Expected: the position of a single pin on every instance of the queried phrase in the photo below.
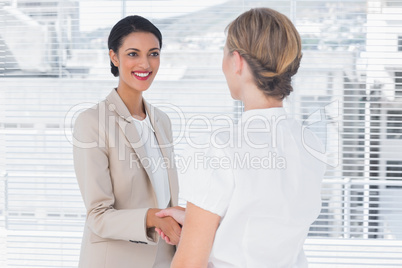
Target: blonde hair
(271, 45)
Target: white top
(265, 185)
(159, 178)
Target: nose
(144, 62)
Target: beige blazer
(116, 187)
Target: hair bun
(279, 85)
(271, 46)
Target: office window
(398, 84)
(394, 125)
(399, 43)
(393, 3)
(394, 169)
(54, 63)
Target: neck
(133, 101)
(254, 98)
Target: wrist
(151, 217)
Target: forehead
(140, 40)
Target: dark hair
(271, 45)
(126, 26)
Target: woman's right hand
(176, 213)
(168, 225)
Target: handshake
(168, 223)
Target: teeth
(142, 74)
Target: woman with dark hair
(119, 147)
(258, 191)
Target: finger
(177, 230)
(164, 213)
(179, 208)
(158, 231)
(168, 241)
(174, 240)
(160, 214)
(170, 229)
(178, 215)
(164, 235)
(174, 237)
(161, 233)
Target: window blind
(54, 63)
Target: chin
(235, 97)
(233, 93)
(142, 88)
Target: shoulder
(89, 113)
(307, 135)
(89, 116)
(93, 118)
(312, 143)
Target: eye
(154, 54)
(132, 54)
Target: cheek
(224, 63)
(128, 62)
(227, 70)
(155, 62)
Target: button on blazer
(115, 185)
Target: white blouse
(265, 185)
(160, 178)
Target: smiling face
(138, 61)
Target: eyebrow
(136, 49)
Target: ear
(114, 58)
(238, 62)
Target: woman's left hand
(176, 213)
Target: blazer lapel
(124, 120)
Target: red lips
(141, 75)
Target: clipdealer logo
(322, 121)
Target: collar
(115, 103)
(145, 122)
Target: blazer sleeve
(91, 165)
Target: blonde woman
(255, 211)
